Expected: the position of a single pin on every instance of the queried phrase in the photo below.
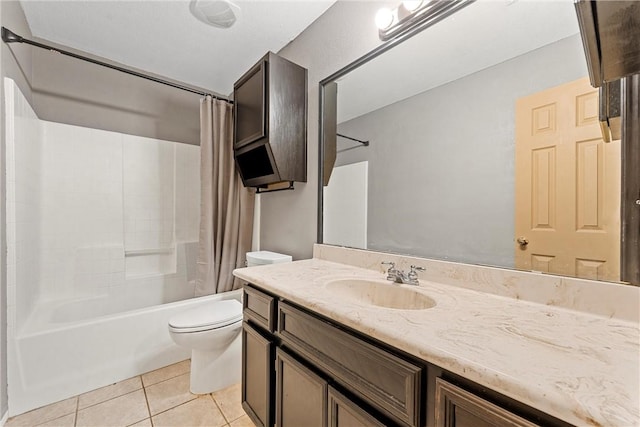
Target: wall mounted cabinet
(270, 126)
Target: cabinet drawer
(456, 407)
(388, 383)
(259, 308)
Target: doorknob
(522, 241)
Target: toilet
(212, 332)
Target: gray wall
(101, 98)
(441, 163)
(341, 35)
(16, 64)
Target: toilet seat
(213, 316)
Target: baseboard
(4, 419)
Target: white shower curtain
(226, 207)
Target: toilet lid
(213, 315)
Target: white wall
(345, 215)
(82, 211)
(80, 199)
(24, 205)
(11, 16)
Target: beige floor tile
(229, 401)
(66, 421)
(166, 373)
(169, 393)
(143, 423)
(121, 411)
(243, 421)
(200, 412)
(109, 392)
(44, 414)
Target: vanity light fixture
(412, 16)
(385, 18)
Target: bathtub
(73, 347)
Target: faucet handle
(392, 265)
(391, 272)
(413, 274)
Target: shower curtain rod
(9, 36)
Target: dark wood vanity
(302, 369)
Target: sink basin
(381, 294)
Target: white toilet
(213, 335)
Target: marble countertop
(580, 368)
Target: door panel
(301, 395)
(567, 185)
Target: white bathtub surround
(68, 358)
(577, 366)
(611, 300)
(80, 204)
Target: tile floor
(156, 399)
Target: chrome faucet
(398, 276)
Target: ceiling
(479, 36)
(164, 38)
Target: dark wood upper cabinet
(270, 126)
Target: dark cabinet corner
(270, 126)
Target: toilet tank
(266, 257)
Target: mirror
(483, 147)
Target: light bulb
(411, 6)
(384, 18)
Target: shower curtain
(226, 207)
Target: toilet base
(212, 371)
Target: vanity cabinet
(302, 369)
(270, 126)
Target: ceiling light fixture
(217, 13)
(414, 16)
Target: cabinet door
(456, 407)
(250, 106)
(257, 376)
(301, 395)
(342, 412)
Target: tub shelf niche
(151, 251)
(150, 262)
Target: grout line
(111, 398)
(75, 420)
(146, 399)
(219, 408)
(173, 407)
(166, 379)
(106, 400)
